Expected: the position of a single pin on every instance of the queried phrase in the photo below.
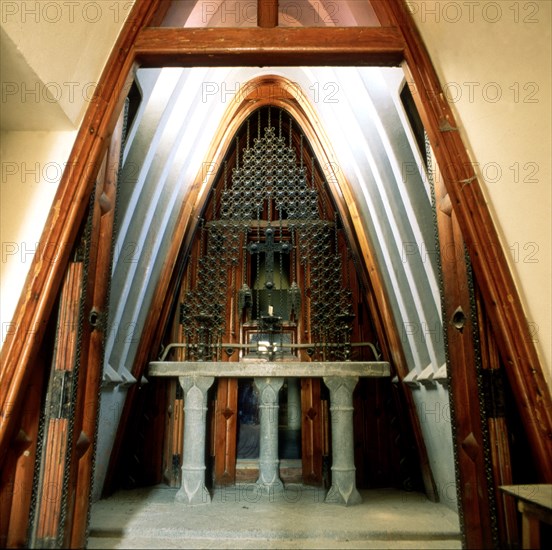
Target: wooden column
(16, 478)
(312, 431)
(493, 386)
(226, 422)
(98, 284)
(474, 493)
(267, 13)
(65, 440)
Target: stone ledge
(270, 368)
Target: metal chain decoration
(269, 189)
(203, 312)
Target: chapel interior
(270, 265)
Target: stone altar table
(341, 379)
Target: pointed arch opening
(273, 170)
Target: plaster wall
(31, 167)
(493, 60)
(66, 44)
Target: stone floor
(240, 517)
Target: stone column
(343, 489)
(269, 475)
(294, 404)
(193, 490)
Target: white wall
(66, 44)
(31, 166)
(51, 58)
(493, 60)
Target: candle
(270, 310)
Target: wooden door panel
(311, 431)
(226, 414)
(52, 494)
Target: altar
(196, 377)
(270, 294)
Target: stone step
(237, 543)
(297, 517)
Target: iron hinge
(60, 394)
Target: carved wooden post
(267, 13)
(48, 530)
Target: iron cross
(269, 247)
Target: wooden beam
(339, 46)
(98, 282)
(467, 416)
(267, 13)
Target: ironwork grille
(269, 207)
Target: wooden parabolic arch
(280, 92)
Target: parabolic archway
(378, 202)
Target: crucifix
(269, 247)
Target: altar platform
(341, 377)
(242, 517)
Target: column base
(343, 489)
(270, 489)
(193, 496)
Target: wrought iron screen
(270, 250)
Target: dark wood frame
(400, 43)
